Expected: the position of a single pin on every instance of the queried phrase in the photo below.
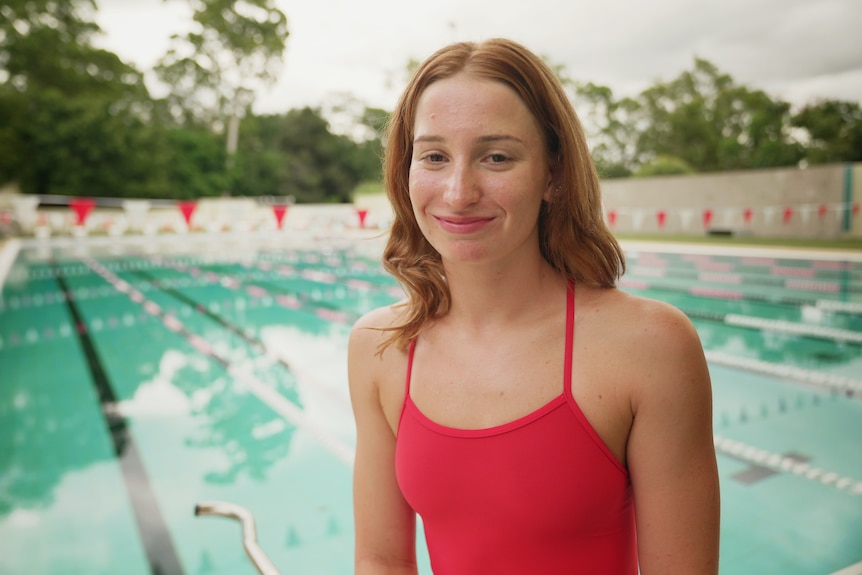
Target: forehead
(464, 101)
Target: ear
(551, 186)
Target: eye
(498, 158)
(432, 157)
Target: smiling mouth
(463, 225)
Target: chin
(465, 254)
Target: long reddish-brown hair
(573, 236)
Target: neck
(485, 298)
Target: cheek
(417, 192)
(421, 186)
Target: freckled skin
(478, 153)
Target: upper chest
(478, 383)
(473, 382)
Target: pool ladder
(249, 534)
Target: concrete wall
(816, 202)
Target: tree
(193, 162)
(72, 116)
(45, 44)
(664, 166)
(609, 127)
(833, 129)
(215, 69)
(679, 117)
(704, 118)
(78, 146)
(363, 125)
(296, 154)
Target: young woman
(537, 418)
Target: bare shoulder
(647, 324)
(381, 317)
(372, 328)
(376, 374)
(655, 343)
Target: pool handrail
(249, 534)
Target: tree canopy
(75, 119)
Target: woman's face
(478, 172)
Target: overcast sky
(795, 50)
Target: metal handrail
(249, 534)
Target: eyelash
(496, 158)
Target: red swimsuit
(541, 494)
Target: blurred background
(192, 216)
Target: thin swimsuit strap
(570, 339)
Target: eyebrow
(482, 139)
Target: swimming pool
(139, 380)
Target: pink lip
(462, 225)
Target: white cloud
(159, 396)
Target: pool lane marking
(154, 533)
(258, 344)
(328, 277)
(37, 299)
(258, 288)
(292, 413)
(267, 395)
(719, 272)
(782, 326)
(738, 294)
(763, 324)
(833, 382)
(781, 463)
(831, 260)
(855, 569)
(852, 307)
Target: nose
(462, 187)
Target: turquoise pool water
(137, 382)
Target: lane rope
(277, 402)
(782, 464)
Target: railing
(249, 534)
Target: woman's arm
(670, 452)
(385, 525)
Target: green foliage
(72, 116)
(46, 44)
(76, 146)
(704, 118)
(834, 130)
(611, 171)
(701, 117)
(371, 188)
(664, 166)
(233, 49)
(609, 127)
(296, 154)
(194, 163)
(77, 120)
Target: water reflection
(815, 354)
(51, 426)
